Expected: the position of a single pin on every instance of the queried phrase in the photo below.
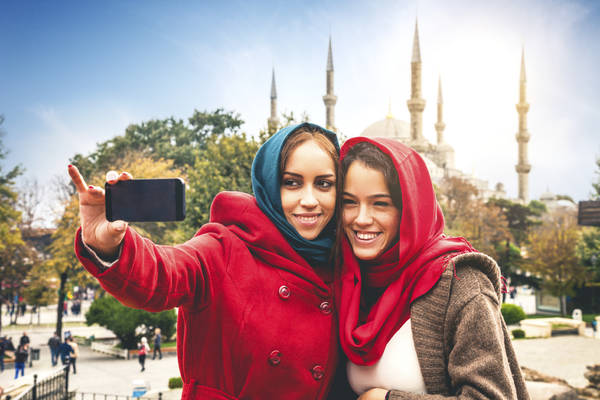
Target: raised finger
(77, 179)
(125, 176)
(96, 191)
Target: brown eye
(325, 184)
(382, 203)
(291, 183)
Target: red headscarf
(408, 270)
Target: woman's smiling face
(308, 190)
(370, 219)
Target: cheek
(286, 200)
(392, 225)
(347, 218)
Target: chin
(309, 236)
(366, 255)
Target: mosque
(438, 156)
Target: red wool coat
(255, 320)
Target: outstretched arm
(145, 275)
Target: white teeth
(307, 219)
(366, 236)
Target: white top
(398, 368)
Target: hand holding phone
(97, 232)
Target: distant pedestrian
(157, 343)
(2, 349)
(24, 339)
(21, 358)
(74, 353)
(142, 352)
(65, 351)
(54, 344)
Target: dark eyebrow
(300, 176)
(291, 173)
(376, 196)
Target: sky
(73, 74)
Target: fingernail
(119, 225)
(91, 187)
(112, 176)
(69, 166)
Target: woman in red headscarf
(419, 311)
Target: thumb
(118, 226)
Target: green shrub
(175, 383)
(512, 313)
(122, 321)
(518, 333)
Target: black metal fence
(105, 396)
(56, 387)
(53, 387)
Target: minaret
(440, 125)
(416, 104)
(523, 167)
(330, 99)
(273, 121)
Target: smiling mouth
(366, 237)
(307, 219)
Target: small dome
(547, 196)
(388, 128)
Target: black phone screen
(145, 200)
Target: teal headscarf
(266, 182)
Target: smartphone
(145, 200)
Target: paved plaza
(96, 372)
(564, 357)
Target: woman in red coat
(253, 286)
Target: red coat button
(325, 307)
(275, 357)
(318, 372)
(284, 292)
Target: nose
(364, 216)
(308, 198)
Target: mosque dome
(388, 127)
(547, 196)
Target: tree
(596, 185)
(588, 251)
(486, 228)
(552, 255)
(13, 252)
(168, 139)
(520, 218)
(129, 324)
(225, 165)
(457, 198)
